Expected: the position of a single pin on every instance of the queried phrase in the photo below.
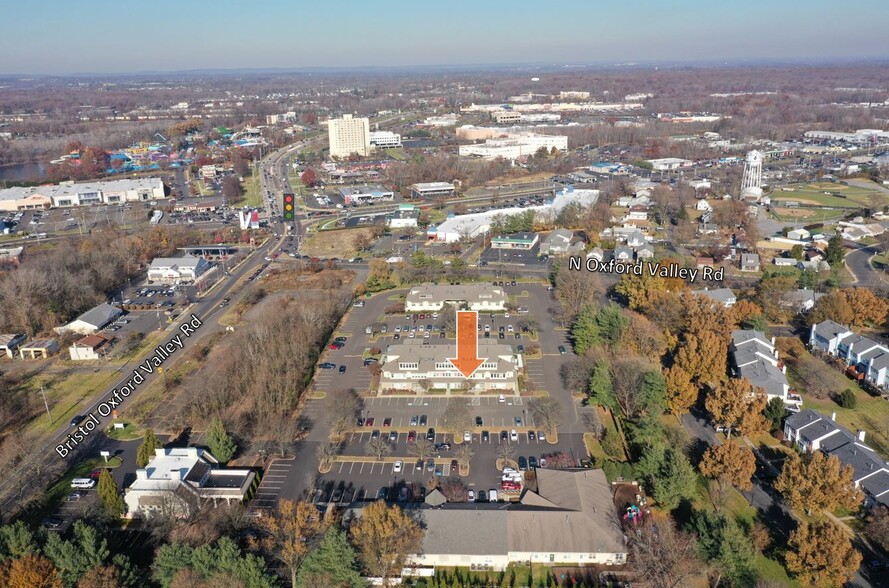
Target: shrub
(847, 399)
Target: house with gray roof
(801, 300)
(570, 520)
(809, 430)
(92, 320)
(645, 252)
(754, 357)
(826, 336)
(867, 356)
(722, 296)
(623, 254)
(561, 242)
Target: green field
(830, 194)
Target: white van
(83, 483)
(492, 495)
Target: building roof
(829, 329)
(7, 339)
(186, 461)
(426, 356)
(94, 341)
(420, 186)
(559, 235)
(40, 344)
(464, 292)
(720, 295)
(186, 260)
(100, 316)
(516, 238)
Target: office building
(421, 368)
(349, 135)
(428, 297)
(385, 139)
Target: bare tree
(343, 407)
(378, 447)
(326, 453)
(506, 451)
(547, 414)
(464, 453)
(422, 448)
(456, 416)
(665, 556)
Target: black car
(443, 446)
(342, 369)
(486, 436)
(504, 435)
(482, 496)
(76, 420)
(532, 462)
(327, 365)
(430, 434)
(360, 421)
(532, 436)
(422, 420)
(51, 523)
(523, 463)
(478, 421)
(381, 495)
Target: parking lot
(524, 257)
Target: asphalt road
(858, 263)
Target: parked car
(393, 436)
(486, 436)
(430, 465)
(504, 435)
(430, 434)
(397, 467)
(523, 463)
(411, 436)
(470, 496)
(532, 462)
(369, 422)
(467, 437)
(422, 420)
(342, 369)
(414, 420)
(478, 421)
(513, 435)
(387, 422)
(532, 436)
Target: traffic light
(288, 207)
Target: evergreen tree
(17, 540)
(145, 453)
(109, 496)
(611, 322)
(220, 443)
(585, 331)
(835, 252)
(774, 413)
(601, 389)
(722, 541)
(77, 556)
(333, 562)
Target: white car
(513, 436)
(467, 436)
(501, 398)
(470, 496)
(399, 465)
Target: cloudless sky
(61, 36)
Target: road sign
(288, 207)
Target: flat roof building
(515, 145)
(406, 216)
(39, 349)
(515, 241)
(366, 194)
(349, 135)
(432, 190)
(472, 296)
(385, 139)
(174, 270)
(10, 342)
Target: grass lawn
(397, 154)
(64, 394)
(252, 197)
(130, 432)
(837, 194)
(332, 243)
(769, 570)
(870, 414)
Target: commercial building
(349, 135)
(385, 139)
(432, 190)
(429, 297)
(573, 95)
(523, 241)
(506, 116)
(421, 368)
(406, 216)
(175, 270)
(812, 431)
(445, 120)
(570, 520)
(94, 346)
(514, 146)
(92, 320)
(669, 163)
(859, 137)
(366, 194)
(83, 193)
(181, 480)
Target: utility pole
(45, 403)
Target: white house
(559, 242)
(92, 320)
(799, 234)
(754, 358)
(429, 297)
(864, 355)
(95, 346)
(405, 217)
(722, 296)
(178, 481)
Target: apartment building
(419, 368)
(349, 135)
(866, 358)
(429, 297)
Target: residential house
(645, 252)
(722, 296)
(868, 358)
(95, 346)
(754, 358)
(181, 480)
(10, 342)
(472, 296)
(637, 213)
(623, 254)
(809, 430)
(596, 253)
(749, 262)
(708, 229)
(92, 320)
(559, 242)
(39, 349)
(801, 300)
(636, 239)
(701, 262)
(420, 368)
(703, 205)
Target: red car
(336, 346)
(387, 422)
(454, 465)
(95, 473)
(412, 436)
(369, 422)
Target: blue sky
(58, 37)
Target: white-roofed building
(432, 190)
(173, 270)
(92, 320)
(420, 368)
(181, 480)
(429, 297)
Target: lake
(19, 172)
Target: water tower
(751, 182)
